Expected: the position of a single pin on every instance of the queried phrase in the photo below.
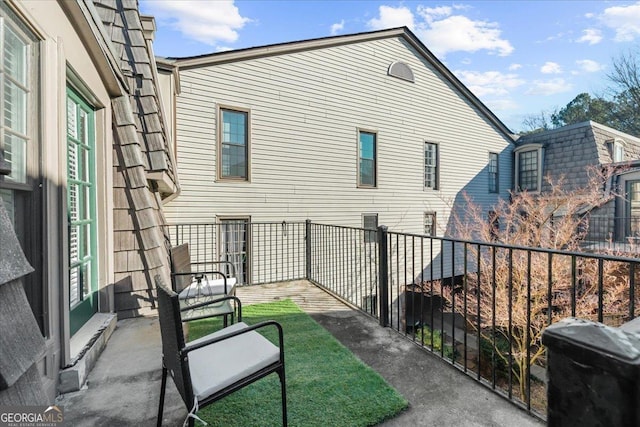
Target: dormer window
(528, 161)
(618, 151)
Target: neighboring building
(87, 167)
(357, 130)
(570, 152)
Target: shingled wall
(21, 343)
(140, 147)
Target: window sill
(233, 180)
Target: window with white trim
(430, 223)
(493, 172)
(618, 151)
(529, 169)
(20, 150)
(431, 166)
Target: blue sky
(519, 57)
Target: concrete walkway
(123, 389)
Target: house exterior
(357, 130)
(570, 152)
(86, 166)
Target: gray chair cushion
(215, 309)
(207, 287)
(219, 365)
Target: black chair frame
(175, 355)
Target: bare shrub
(518, 292)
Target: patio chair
(216, 365)
(194, 287)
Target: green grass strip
(326, 384)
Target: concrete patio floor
(123, 388)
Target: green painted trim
(82, 311)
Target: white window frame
(21, 193)
(618, 151)
(539, 150)
(431, 177)
(494, 172)
(433, 223)
(20, 177)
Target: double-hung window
(17, 98)
(431, 166)
(493, 172)
(370, 224)
(528, 169)
(233, 147)
(618, 151)
(430, 223)
(19, 148)
(367, 153)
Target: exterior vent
(401, 70)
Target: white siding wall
(306, 108)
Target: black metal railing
(262, 252)
(619, 235)
(344, 260)
(482, 307)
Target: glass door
(81, 214)
(234, 246)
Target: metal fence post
(307, 241)
(383, 275)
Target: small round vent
(401, 70)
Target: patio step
(86, 346)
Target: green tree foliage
(619, 109)
(626, 113)
(583, 108)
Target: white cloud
(514, 67)
(459, 33)
(443, 31)
(489, 82)
(391, 17)
(337, 27)
(551, 68)
(430, 14)
(589, 65)
(557, 36)
(549, 87)
(591, 36)
(208, 21)
(625, 20)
